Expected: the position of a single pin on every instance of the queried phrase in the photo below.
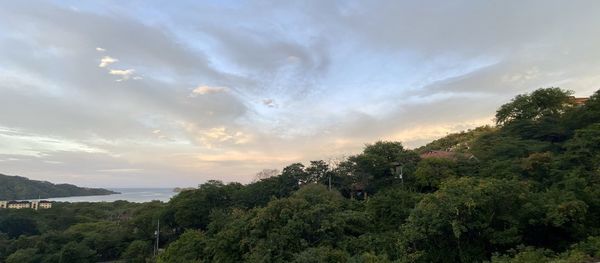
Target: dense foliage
(79, 232)
(17, 188)
(527, 190)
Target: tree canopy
(542, 103)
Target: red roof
(580, 101)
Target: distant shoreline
(134, 195)
(70, 196)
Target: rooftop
(580, 101)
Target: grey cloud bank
(234, 87)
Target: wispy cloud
(106, 60)
(269, 103)
(216, 136)
(204, 90)
(15, 141)
(121, 170)
(124, 74)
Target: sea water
(136, 195)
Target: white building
(19, 204)
(25, 204)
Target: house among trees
(25, 204)
(579, 101)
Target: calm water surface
(137, 195)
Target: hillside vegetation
(530, 194)
(16, 188)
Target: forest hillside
(17, 188)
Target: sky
(175, 93)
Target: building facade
(45, 204)
(25, 204)
(19, 204)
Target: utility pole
(329, 181)
(398, 170)
(402, 176)
(157, 234)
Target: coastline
(135, 195)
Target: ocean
(136, 195)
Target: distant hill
(17, 187)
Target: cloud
(269, 103)
(159, 134)
(106, 60)
(340, 74)
(216, 136)
(22, 143)
(121, 170)
(124, 74)
(204, 90)
(252, 156)
(94, 170)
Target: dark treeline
(525, 190)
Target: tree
(15, 225)
(295, 172)
(500, 154)
(525, 255)
(264, 174)
(318, 171)
(191, 209)
(321, 255)
(311, 217)
(585, 251)
(391, 207)
(287, 226)
(456, 142)
(74, 252)
(137, 252)
(549, 102)
(188, 248)
(27, 255)
(539, 167)
(584, 148)
(467, 218)
(374, 166)
(432, 171)
(584, 115)
(107, 239)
